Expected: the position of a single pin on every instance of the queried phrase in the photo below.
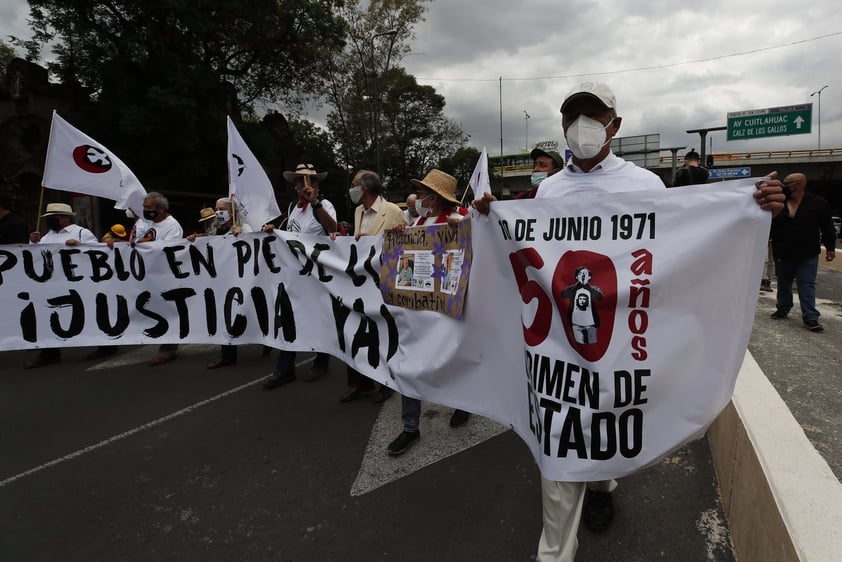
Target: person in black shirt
(691, 172)
(796, 244)
(12, 228)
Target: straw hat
(206, 214)
(439, 182)
(58, 209)
(304, 170)
(119, 230)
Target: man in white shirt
(160, 225)
(310, 214)
(60, 230)
(590, 121)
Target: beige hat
(441, 183)
(206, 214)
(596, 90)
(304, 170)
(58, 209)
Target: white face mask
(223, 216)
(538, 177)
(421, 209)
(586, 137)
(355, 193)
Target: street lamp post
(526, 121)
(392, 33)
(819, 92)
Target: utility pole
(391, 33)
(526, 121)
(703, 133)
(819, 92)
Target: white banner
(248, 183)
(671, 277)
(78, 163)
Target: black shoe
(278, 378)
(403, 442)
(778, 315)
(221, 363)
(316, 372)
(102, 353)
(382, 394)
(814, 326)
(353, 393)
(598, 510)
(459, 417)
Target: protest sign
(605, 331)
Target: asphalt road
(120, 461)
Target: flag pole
(40, 207)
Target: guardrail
(767, 155)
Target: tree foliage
(7, 53)
(166, 72)
(381, 118)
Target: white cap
(596, 90)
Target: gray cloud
(461, 43)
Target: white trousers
(562, 511)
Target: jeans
(804, 274)
(410, 414)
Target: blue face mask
(538, 177)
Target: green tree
(7, 53)
(461, 166)
(378, 35)
(419, 134)
(165, 73)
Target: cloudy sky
(644, 49)
(673, 65)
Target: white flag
(248, 183)
(479, 179)
(78, 163)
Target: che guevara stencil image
(585, 292)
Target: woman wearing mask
(436, 203)
(226, 222)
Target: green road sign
(770, 122)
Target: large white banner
(604, 332)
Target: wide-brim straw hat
(304, 170)
(206, 214)
(440, 183)
(58, 209)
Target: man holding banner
(309, 215)
(372, 216)
(590, 121)
(61, 230)
(161, 226)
